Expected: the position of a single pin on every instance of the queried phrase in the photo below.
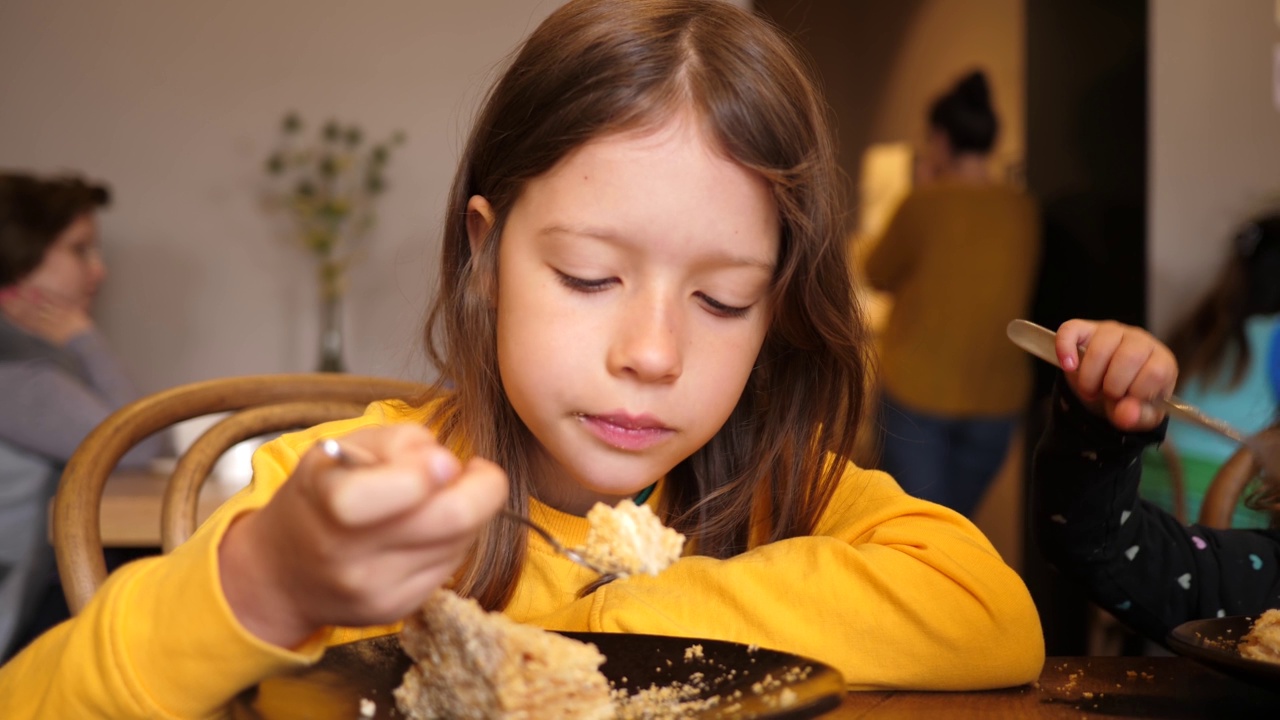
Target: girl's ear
(480, 220)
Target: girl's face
(72, 268)
(631, 306)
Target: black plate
(1213, 643)
(371, 669)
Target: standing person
(959, 259)
(644, 293)
(57, 375)
(1137, 561)
(1229, 349)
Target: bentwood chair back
(1228, 486)
(259, 404)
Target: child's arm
(894, 592)
(1136, 560)
(161, 638)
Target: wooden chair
(260, 404)
(1228, 486)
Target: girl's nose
(647, 344)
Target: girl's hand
(44, 314)
(1117, 371)
(357, 546)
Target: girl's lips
(627, 432)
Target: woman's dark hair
(1249, 285)
(964, 113)
(34, 212)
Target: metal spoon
(348, 457)
(1041, 342)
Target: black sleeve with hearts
(1137, 561)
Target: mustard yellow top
(960, 261)
(893, 591)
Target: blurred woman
(958, 257)
(57, 376)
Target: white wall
(1215, 140)
(176, 104)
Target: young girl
(644, 295)
(1229, 350)
(1138, 561)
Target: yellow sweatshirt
(960, 262)
(893, 591)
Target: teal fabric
(1250, 406)
(1157, 489)
(644, 494)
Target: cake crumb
(368, 708)
(787, 697)
(472, 663)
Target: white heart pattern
(1132, 552)
(1185, 581)
(1124, 517)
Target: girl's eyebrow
(719, 259)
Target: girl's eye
(583, 284)
(719, 308)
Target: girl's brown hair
(596, 67)
(1214, 332)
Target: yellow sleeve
(894, 254)
(894, 592)
(158, 639)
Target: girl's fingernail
(1068, 362)
(444, 466)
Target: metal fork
(1040, 341)
(346, 457)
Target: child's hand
(1117, 371)
(307, 561)
(44, 314)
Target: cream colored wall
(1215, 139)
(944, 39)
(175, 104)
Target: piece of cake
(629, 539)
(472, 664)
(1263, 641)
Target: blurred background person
(57, 376)
(1228, 349)
(958, 258)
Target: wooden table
(1095, 687)
(131, 503)
(1076, 687)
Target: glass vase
(331, 335)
